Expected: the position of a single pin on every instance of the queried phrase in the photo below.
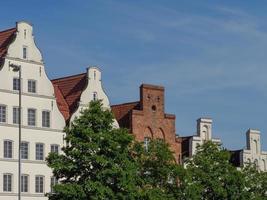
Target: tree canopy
(96, 162)
(100, 162)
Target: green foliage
(256, 182)
(100, 162)
(158, 171)
(97, 162)
(210, 175)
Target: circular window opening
(154, 108)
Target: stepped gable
(68, 92)
(146, 119)
(6, 37)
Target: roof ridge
(123, 104)
(67, 77)
(10, 29)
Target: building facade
(204, 133)
(146, 119)
(47, 107)
(252, 153)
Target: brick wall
(149, 118)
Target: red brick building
(146, 119)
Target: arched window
(255, 146)
(159, 134)
(256, 162)
(264, 165)
(205, 132)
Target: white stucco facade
(204, 133)
(43, 99)
(23, 51)
(253, 152)
(94, 90)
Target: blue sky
(211, 56)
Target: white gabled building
(252, 153)
(204, 133)
(47, 106)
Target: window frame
(95, 96)
(1, 115)
(43, 188)
(146, 143)
(49, 112)
(28, 150)
(25, 52)
(14, 85)
(28, 183)
(35, 120)
(32, 90)
(11, 184)
(13, 116)
(55, 145)
(53, 182)
(43, 157)
(12, 149)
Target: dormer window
(25, 53)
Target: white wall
(32, 68)
(204, 133)
(253, 152)
(94, 86)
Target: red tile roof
(68, 92)
(121, 112)
(6, 38)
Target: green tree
(256, 182)
(96, 162)
(158, 171)
(210, 175)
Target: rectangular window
(32, 86)
(39, 184)
(8, 148)
(54, 148)
(24, 150)
(31, 117)
(2, 114)
(54, 181)
(24, 183)
(146, 143)
(16, 84)
(24, 52)
(7, 182)
(46, 119)
(39, 154)
(15, 115)
(95, 96)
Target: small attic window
(94, 75)
(25, 33)
(95, 96)
(24, 52)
